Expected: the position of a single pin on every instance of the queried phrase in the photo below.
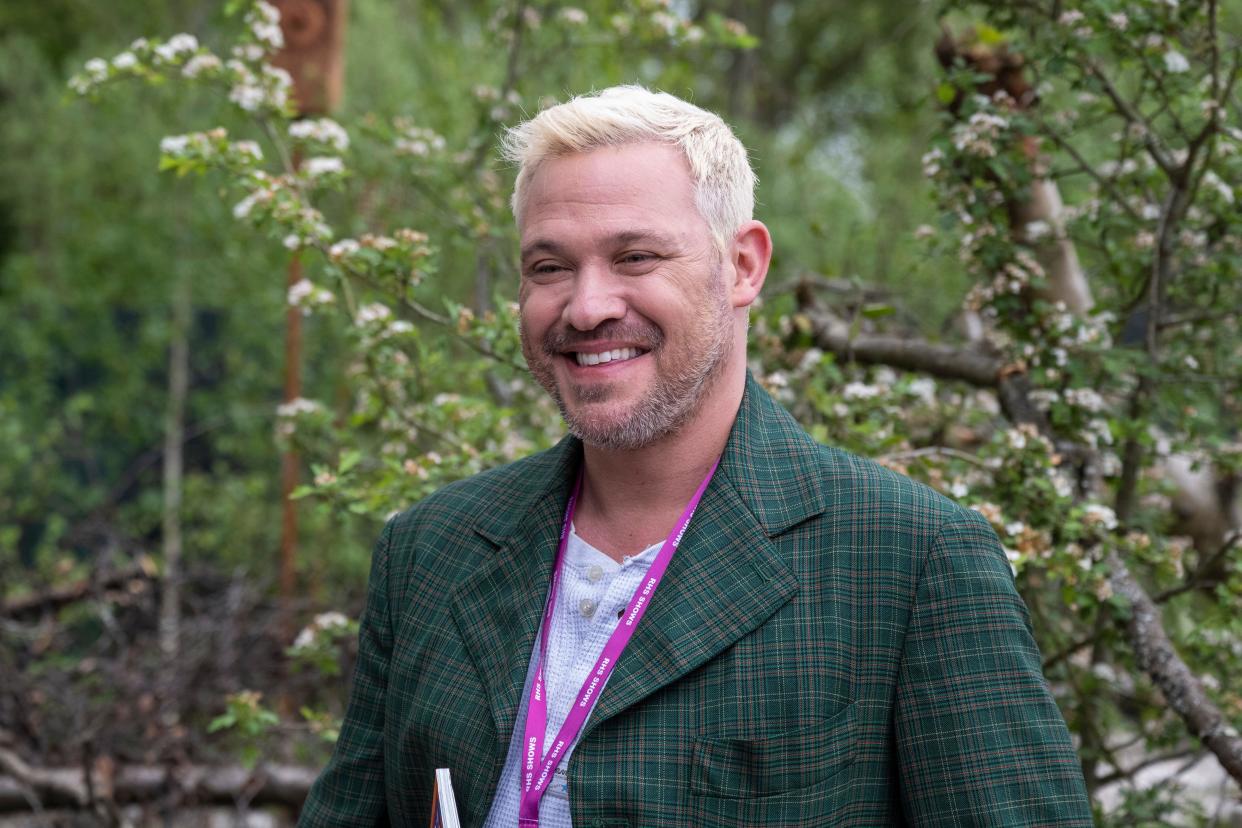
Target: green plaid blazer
(833, 644)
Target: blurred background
(235, 337)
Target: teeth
(614, 355)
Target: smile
(615, 355)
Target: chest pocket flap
(800, 758)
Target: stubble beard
(673, 399)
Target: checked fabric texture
(833, 644)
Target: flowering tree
(1082, 174)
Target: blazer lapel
(725, 580)
(498, 608)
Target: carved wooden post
(314, 32)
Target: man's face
(626, 320)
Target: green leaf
(946, 92)
(222, 723)
(878, 310)
(349, 459)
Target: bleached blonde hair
(724, 183)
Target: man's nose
(596, 299)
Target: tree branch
(69, 787)
(1181, 688)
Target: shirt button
(587, 607)
(594, 573)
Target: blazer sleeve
(980, 740)
(350, 791)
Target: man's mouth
(601, 357)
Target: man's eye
(545, 268)
(635, 258)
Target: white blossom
(176, 46)
(1176, 62)
(324, 130)
(198, 64)
(343, 248)
(292, 241)
(1214, 181)
(250, 148)
(1096, 513)
(1036, 230)
(174, 144)
(125, 60)
(573, 16)
(1087, 398)
(250, 52)
(860, 391)
(97, 68)
(374, 312)
(924, 388)
(318, 166)
(297, 407)
(299, 291)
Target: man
(830, 644)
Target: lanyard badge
(537, 766)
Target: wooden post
(314, 32)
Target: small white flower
(299, 291)
(1070, 18)
(572, 16)
(250, 148)
(1016, 527)
(250, 52)
(959, 489)
(198, 64)
(242, 208)
(323, 130)
(1086, 398)
(374, 312)
(859, 391)
(1119, 21)
(1176, 62)
(1036, 230)
(318, 166)
(174, 144)
(292, 241)
(247, 96)
(125, 60)
(924, 388)
(1096, 513)
(330, 620)
(343, 248)
(297, 407)
(97, 68)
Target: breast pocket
(794, 778)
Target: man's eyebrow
(615, 240)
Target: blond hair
(724, 183)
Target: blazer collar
(769, 458)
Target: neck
(632, 499)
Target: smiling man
(687, 612)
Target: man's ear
(751, 252)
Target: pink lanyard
(534, 784)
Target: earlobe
(751, 252)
